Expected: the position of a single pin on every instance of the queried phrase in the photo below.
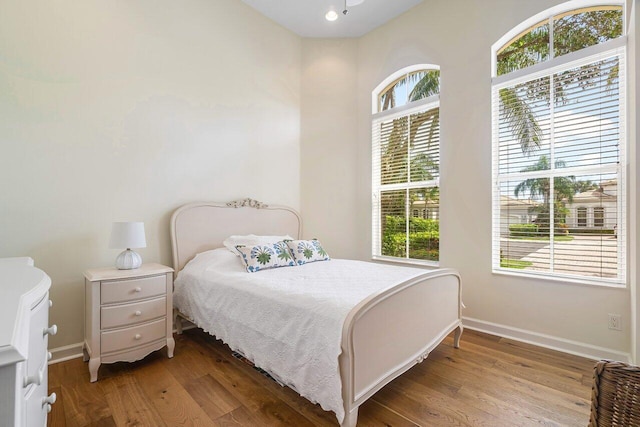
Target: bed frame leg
(457, 335)
(350, 418)
(177, 321)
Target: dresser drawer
(128, 314)
(122, 339)
(37, 338)
(132, 289)
(36, 409)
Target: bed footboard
(389, 332)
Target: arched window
(558, 95)
(406, 164)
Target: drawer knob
(137, 289)
(49, 356)
(50, 303)
(48, 401)
(138, 313)
(137, 336)
(33, 379)
(52, 330)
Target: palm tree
(427, 84)
(564, 187)
(521, 120)
(582, 186)
(571, 33)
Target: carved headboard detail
(202, 226)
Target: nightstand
(128, 314)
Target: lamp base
(128, 260)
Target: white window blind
(405, 176)
(559, 206)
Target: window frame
(582, 216)
(377, 116)
(598, 216)
(588, 55)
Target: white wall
(329, 144)
(123, 110)
(457, 35)
(119, 110)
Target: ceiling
(306, 17)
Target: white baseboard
(547, 341)
(72, 351)
(67, 352)
(589, 351)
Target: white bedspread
(286, 320)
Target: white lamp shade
(127, 235)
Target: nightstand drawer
(128, 314)
(132, 289)
(122, 339)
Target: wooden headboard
(198, 227)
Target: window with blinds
(559, 207)
(405, 170)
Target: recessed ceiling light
(332, 15)
(354, 2)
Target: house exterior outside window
(559, 145)
(406, 166)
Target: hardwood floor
(488, 381)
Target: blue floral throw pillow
(264, 256)
(305, 251)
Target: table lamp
(128, 235)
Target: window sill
(406, 261)
(564, 279)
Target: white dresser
(24, 332)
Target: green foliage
(572, 32)
(515, 263)
(564, 187)
(424, 237)
(401, 144)
(582, 186)
(580, 30)
(427, 83)
(425, 254)
(523, 230)
(560, 228)
(522, 121)
(531, 48)
(579, 231)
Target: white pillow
(305, 251)
(266, 255)
(251, 240)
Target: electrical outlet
(615, 322)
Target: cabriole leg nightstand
(128, 314)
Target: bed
(379, 321)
